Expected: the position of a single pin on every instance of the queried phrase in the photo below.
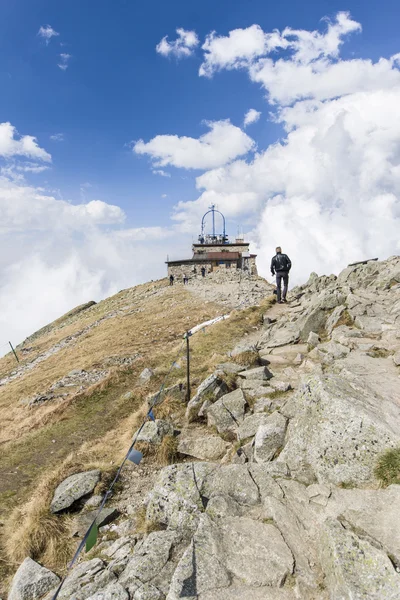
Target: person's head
(278, 250)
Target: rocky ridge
(274, 496)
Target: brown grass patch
(345, 319)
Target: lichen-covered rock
(259, 373)
(270, 437)
(228, 412)
(339, 427)
(354, 568)
(73, 488)
(211, 388)
(86, 579)
(250, 425)
(113, 591)
(32, 581)
(204, 447)
(153, 432)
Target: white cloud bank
(26, 145)
(222, 144)
(182, 47)
(329, 192)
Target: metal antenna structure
(214, 237)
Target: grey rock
(280, 386)
(313, 320)
(93, 502)
(234, 481)
(289, 334)
(206, 390)
(83, 521)
(262, 405)
(340, 425)
(148, 591)
(74, 488)
(86, 579)
(222, 506)
(334, 318)
(127, 396)
(354, 568)
(250, 425)
(313, 339)
(396, 359)
(259, 373)
(204, 447)
(334, 349)
(270, 437)
(254, 552)
(113, 591)
(149, 558)
(176, 500)
(153, 432)
(32, 581)
(319, 493)
(249, 593)
(146, 375)
(228, 412)
(369, 324)
(198, 570)
(231, 367)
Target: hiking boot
(284, 301)
(280, 302)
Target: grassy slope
(97, 424)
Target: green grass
(387, 468)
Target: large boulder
(32, 581)
(113, 591)
(203, 446)
(74, 488)
(354, 568)
(228, 412)
(340, 425)
(86, 579)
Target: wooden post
(187, 367)
(15, 354)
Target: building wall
(178, 271)
(221, 248)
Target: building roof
(207, 257)
(221, 244)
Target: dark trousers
(282, 275)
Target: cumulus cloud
(64, 61)
(251, 116)
(47, 32)
(64, 254)
(183, 46)
(11, 144)
(222, 144)
(328, 192)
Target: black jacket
(280, 262)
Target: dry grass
(167, 452)
(345, 319)
(170, 406)
(387, 469)
(145, 526)
(33, 531)
(98, 424)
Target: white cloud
(164, 195)
(251, 116)
(329, 192)
(65, 254)
(64, 61)
(161, 172)
(57, 137)
(24, 146)
(238, 49)
(223, 143)
(183, 46)
(47, 32)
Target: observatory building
(214, 252)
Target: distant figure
(281, 265)
(203, 271)
(171, 280)
(185, 279)
(194, 271)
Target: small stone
(84, 520)
(153, 432)
(146, 375)
(270, 438)
(299, 359)
(127, 396)
(32, 581)
(262, 405)
(396, 359)
(280, 386)
(228, 412)
(313, 339)
(257, 373)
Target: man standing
(203, 271)
(281, 265)
(171, 279)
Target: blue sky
(283, 185)
(118, 89)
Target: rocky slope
(274, 495)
